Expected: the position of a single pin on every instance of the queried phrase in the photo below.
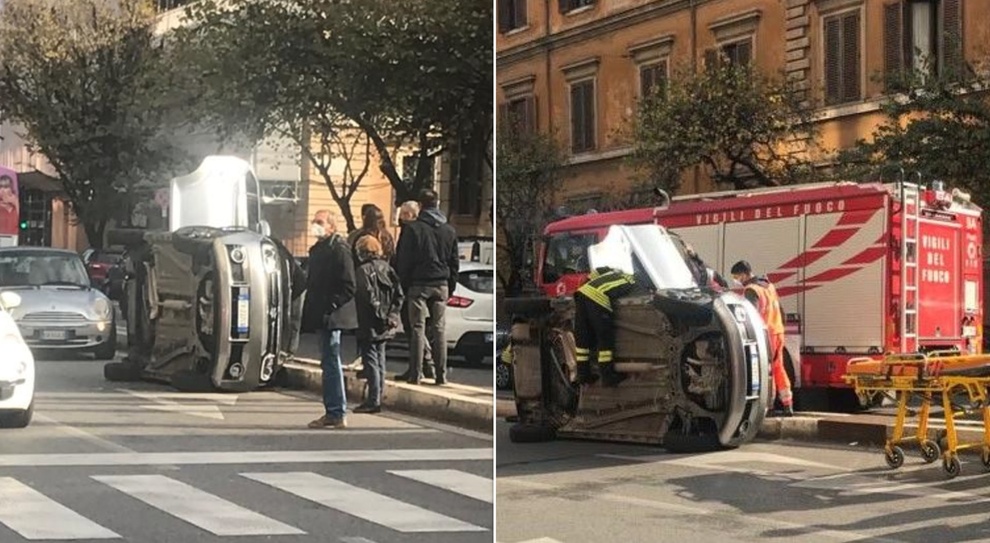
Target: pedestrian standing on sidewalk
(330, 309)
(379, 299)
(373, 224)
(359, 231)
(427, 260)
(408, 213)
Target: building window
(652, 78)
(842, 58)
(511, 15)
(35, 218)
(737, 53)
(409, 166)
(520, 114)
(583, 116)
(571, 5)
(465, 183)
(924, 36)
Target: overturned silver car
(208, 306)
(696, 360)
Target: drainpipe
(696, 171)
(546, 58)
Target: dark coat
(330, 287)
(427, 253)
(379, 298)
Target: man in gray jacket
(427, 262)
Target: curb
(435, 403)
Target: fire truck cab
(861, 269)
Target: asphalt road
(574, 492)
(139, 462)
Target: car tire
(190, 381)
(108, 349)
(18, 419)
(503, 376)
(679, 443)
(121, 372)
(474, 360)
(531, 433)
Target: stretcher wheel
(930, 451)
(985, 457)
(894, 457)
(951, 467)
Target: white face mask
(317, 230)
(736, 282)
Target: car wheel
(190, 381)
(18, 419)
(474, 359)
(503, 376)
(531, 433)
(121, 372)
(108, 349)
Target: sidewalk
(462, 405)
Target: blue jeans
(373, 358)
(334, 399)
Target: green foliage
(86, 82)
(411, 74)
(939, 130)
(746, 128)
(529, 175)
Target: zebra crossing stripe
(199, 508)
(465, 484)
(36, 517)
(361, 503)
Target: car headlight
(269, 256)
(740, 313)
(102, 308)
(237, 254)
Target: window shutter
(530, 125)
(833, 63)
(564, 5)
(711, 57)
(850, 57)
(503, 116)
(521, 14)
(589, 116)
(744, 52)
(646, 81)
(950, 38)
(893, 41)
(503, 16)
(577, 112)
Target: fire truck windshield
(646, 251)
(566, 254)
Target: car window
(41, 268)
(478, 280)
(106, 257)
(567, 254)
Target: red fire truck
(862, 269)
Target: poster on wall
(10, 208)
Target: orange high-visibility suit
(761, 293)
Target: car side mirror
(10, 300)
(265, 229)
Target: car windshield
(566, 254)
(19, 269)
(478, 280)
(646, 251)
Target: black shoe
(404, 376)
(612, 378)
(428, 372)
(412, 381)
(368, 409)
(783, 412)
(440, 381)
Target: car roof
(33, 249)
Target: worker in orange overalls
(761, 293)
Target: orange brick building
(577, 67)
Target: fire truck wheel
(189, 381)
(951, 466)
(531, 433)
(121, 372)
(930, 451)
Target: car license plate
(489, 338)
(54, 335)
(243, 311)
(754, 371)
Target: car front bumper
(82, 334)
(476, 343)
(17, 392)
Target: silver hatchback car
(59, 308)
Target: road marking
(216, 397)
(36, 517)
(198, 409)
(540, 540)
(839, 535)
(356, 540)
(465, 484)
(82, 434)
(245, 457)
(199, 508)
(361, 503)
(719, 459)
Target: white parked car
(16, 369)
(470, 328)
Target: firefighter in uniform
(594, 329)
(763, 295)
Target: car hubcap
(502, 376)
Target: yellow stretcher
(946, 374)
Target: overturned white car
(209, 305)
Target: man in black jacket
(330, 309)
(427, 262)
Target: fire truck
(861, 269)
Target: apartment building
(576, 68)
